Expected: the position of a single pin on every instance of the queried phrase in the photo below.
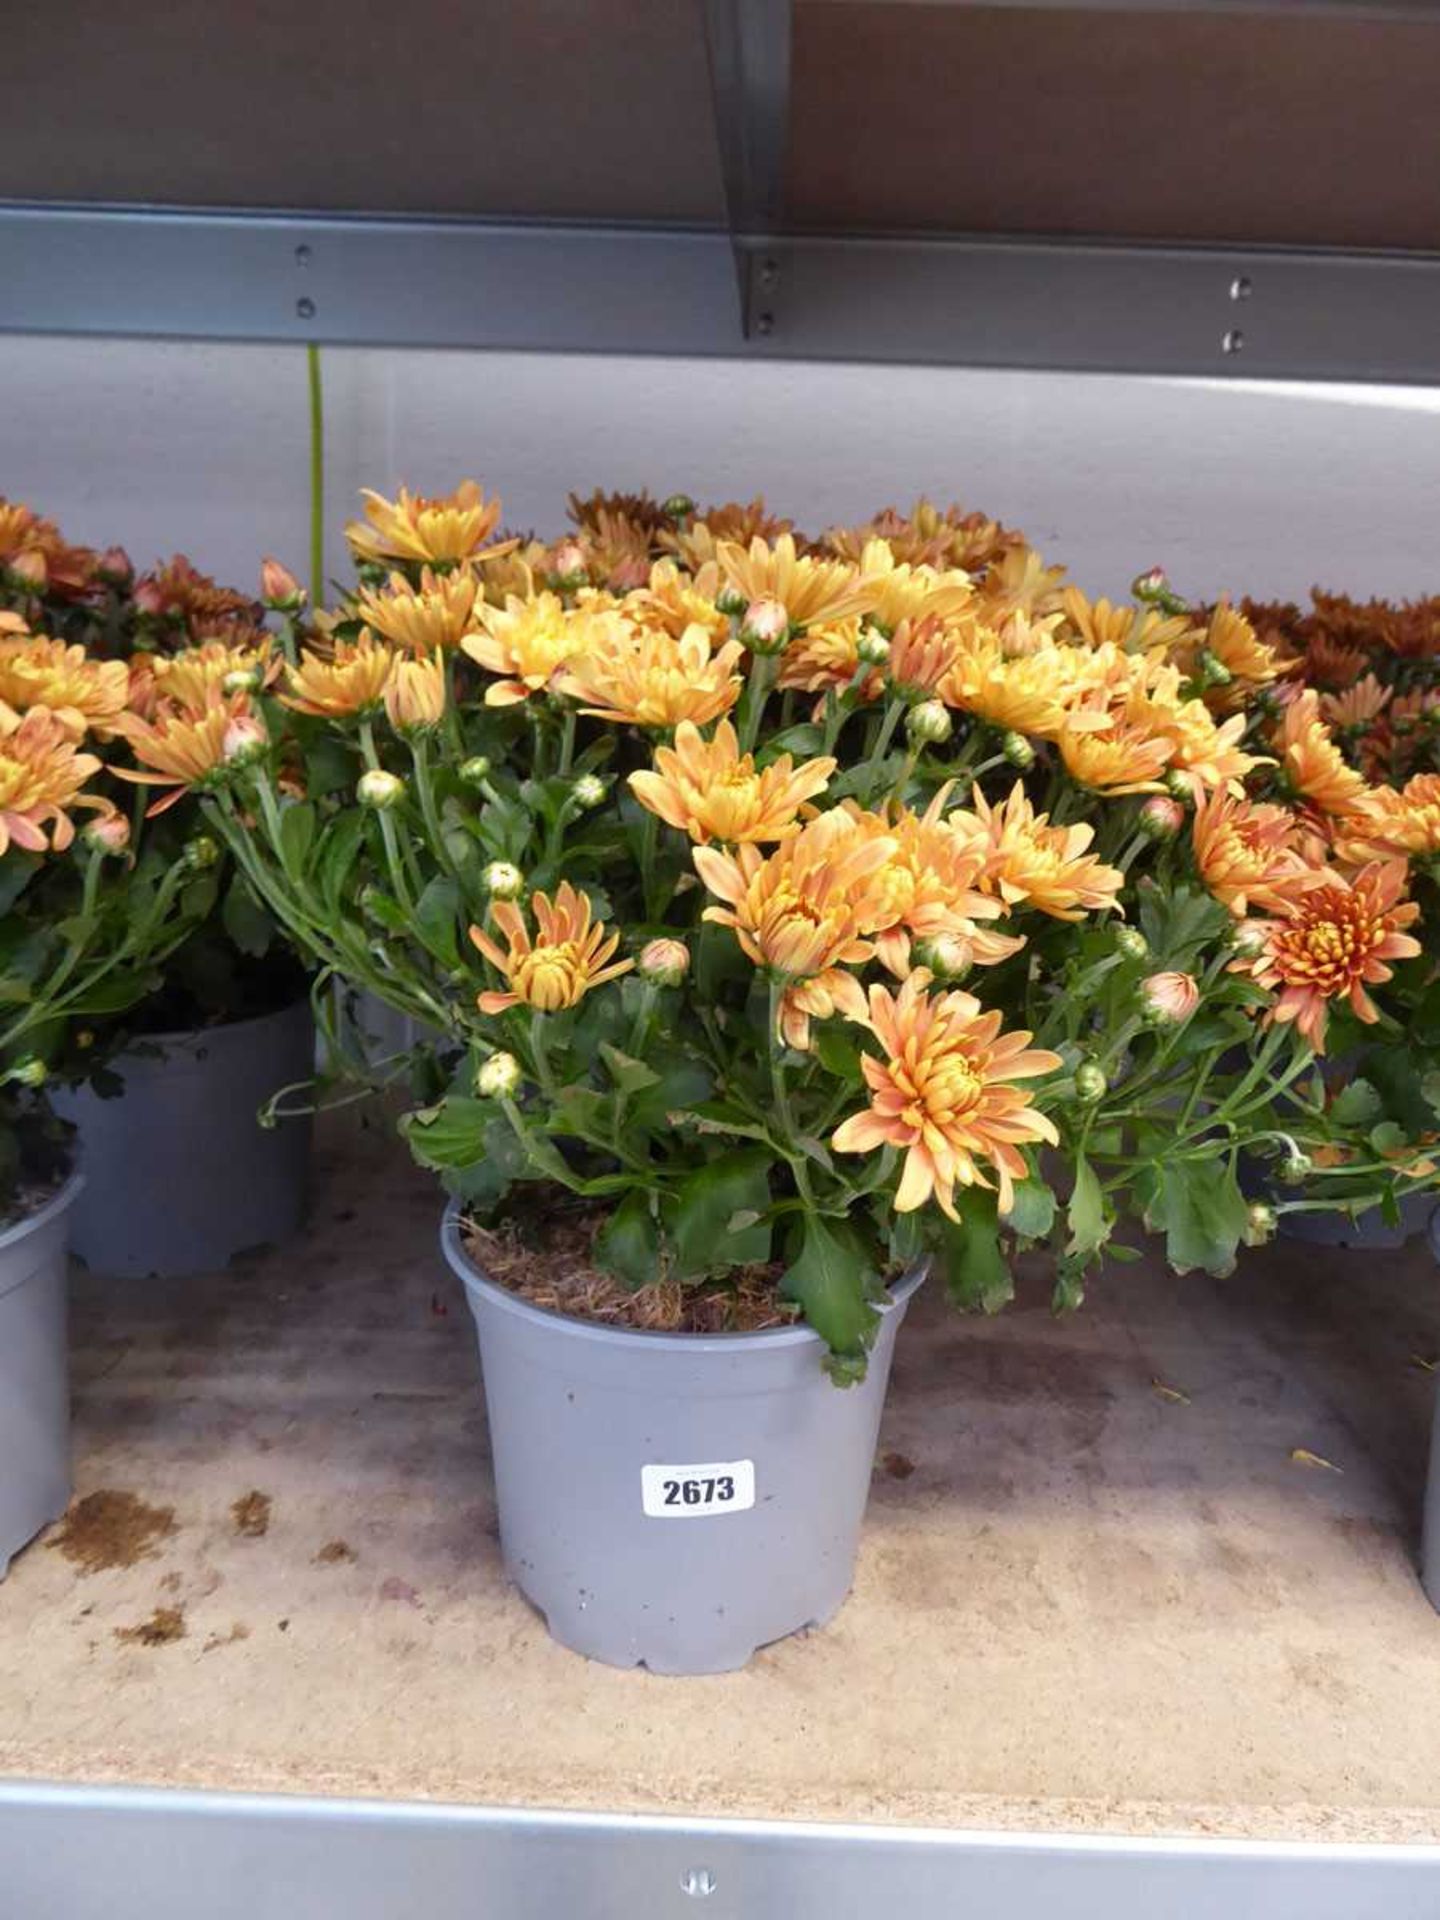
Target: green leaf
(1358, 1105)
(449, 1134)
(630, 1076)
(297, 836)
(330, 766)
(628, 1245)
(247, 925)
(805, 740)
(1086, 1214)
(338, 853)
(581, 1111)
(838, 1054)
(680, 1088)
(1202, 1213)
(699, 1212)
(1388, 1137)
(16, 870)
(975, 1270)
(1033, 1212)
(386, 912)
(436, 913)
(834, 1282)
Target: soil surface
(111, 1528)
(547, 1259)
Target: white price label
(696, 1493)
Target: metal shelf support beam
(749, 47)
(589, 289)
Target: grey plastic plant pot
(34, 1373)
(179, 1174)
(1324, 1228)
(673, 1501)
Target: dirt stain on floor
(165, 1625)
(238, 1632)
(251, 1514)
(899, 1466)
(334, 1552)
(112, 1529)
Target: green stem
(567, 741)
(317, 479)
(763, 669)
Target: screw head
(698, 1882)
(305, 307)
(1233, 341)
(1241, 287)
(302, 255)
(765, 323)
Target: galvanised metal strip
(75, 1853)
(749, 47)
(600, 289)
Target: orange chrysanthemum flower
(930, 890)
(192, 678)
(1027, 861)
(1311, 763)
(1019, 582)
(899, 593)
(1333, 941)
(826, 657)
(1250, 856)
(806, 907)
(648, 678)
(570, 954)
(81, 693)
(1208, 753)
(922, 653)
(1250, 661)
(944, 1095)
(347, 680)
(429, 618)
(1121, 759)
(415, 693)
(1358, 706)
(830, 995)
(41, 779)
(710, 790)
(675, 601)
(446, 530)
(808, 589)
(1331, 663)
(529, 642)
(182, 751)
(1036, 693)
(1404, 822)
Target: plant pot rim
(768, 1338)
(56, 1204)
(176, 1036)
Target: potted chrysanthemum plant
(87, 920)
(154, 660)
(789, 915)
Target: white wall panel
(204, 448)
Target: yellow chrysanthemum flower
(432, 617)
(346, 680)
(809, 589)
(675, 601)
(83, 694)
(530, 642)
(710, 790)
(415, 692)
(42, 776)
(929, 890)
(648, 678)
(446, 530)
(898, 592)
(194, 677)
(944, 1095)
(182, 751)
(1028, 861)
(826, 657)
(1119, 759)
(570, 953)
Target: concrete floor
(1082, 1602)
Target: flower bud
(1151, 585)
(664, 962)
(29, 1072)
(1161, 818)
(475, 771)
(1295, 1168)
(1169, 998)
(1132, 943)
(1018, 751)
(280, 591)
(201, 853)
(415, 694)
(588, 790)
(241, 680)
(379, 789)
(765, 627)
(872, 647)
(1178, 786)
(946, 955)
(503, 881)
(1260, 1222)
(1090, 1082)
(566, 566)
(29, 570)
(678, 507)
(730, 600)
(1212, 672)
(1248, 937)
(497, 1076)
(929, 724)
(244, 741)
(109, 834)
(115, 567)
